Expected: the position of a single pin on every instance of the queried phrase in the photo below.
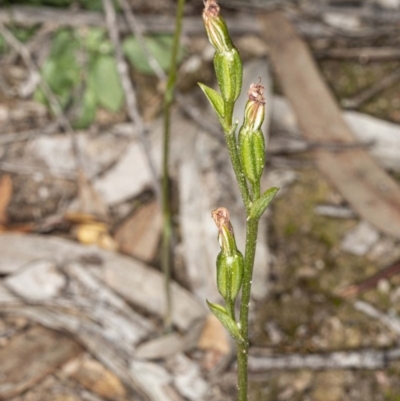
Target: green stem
(251, 243)
(230, 137)
(167, 223)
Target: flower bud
(229, 260)
(251, 138)
(216, 28)
(227, 62)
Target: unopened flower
(216, 28)
(251, 138)
(227, 62)
(229, 260)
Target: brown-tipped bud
(255, 107)
(226, 237)
(251, 138)
(216, 28)
(229, 260)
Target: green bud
(229, 72)
(229, 260)
(229, 274)
(251, 138)
(216, 28)
(227, 63)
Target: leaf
(214, 98)
(222, 315)
(160, 46)
(105, 82)
(87, 111)
(259, 206)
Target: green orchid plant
(247, 154)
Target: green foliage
(231, 326)
(260, 205)
(215, 99)
(160, 46)
(105, 83)
(82, 73)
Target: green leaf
(94, 39)
(222, 315)
(259, 206)
(87, 110)
(104, 80)
(160, 46)
(214, 98)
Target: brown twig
(130, 95)
(358, 100)
(242, 24)
(358, 359)
(372, 281)
(363, 54)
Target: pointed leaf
(222, 315)
(214, 98)
(259, 206)
(104, 79)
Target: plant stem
(230, 137)
(251, 243)
(167, 221)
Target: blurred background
(82, 295)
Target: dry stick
(356, 101)
(363, 54)
(242, 24)
(371, 281)
(358, 359)
(130, 95)
(391, 322)
(22, 50)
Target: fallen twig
(391, 322)
(242, 23)
(372, 281)
(362, 54)
(358, 100)
(360, 359)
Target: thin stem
(167, 223)
(230, 137)
(251, 243)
